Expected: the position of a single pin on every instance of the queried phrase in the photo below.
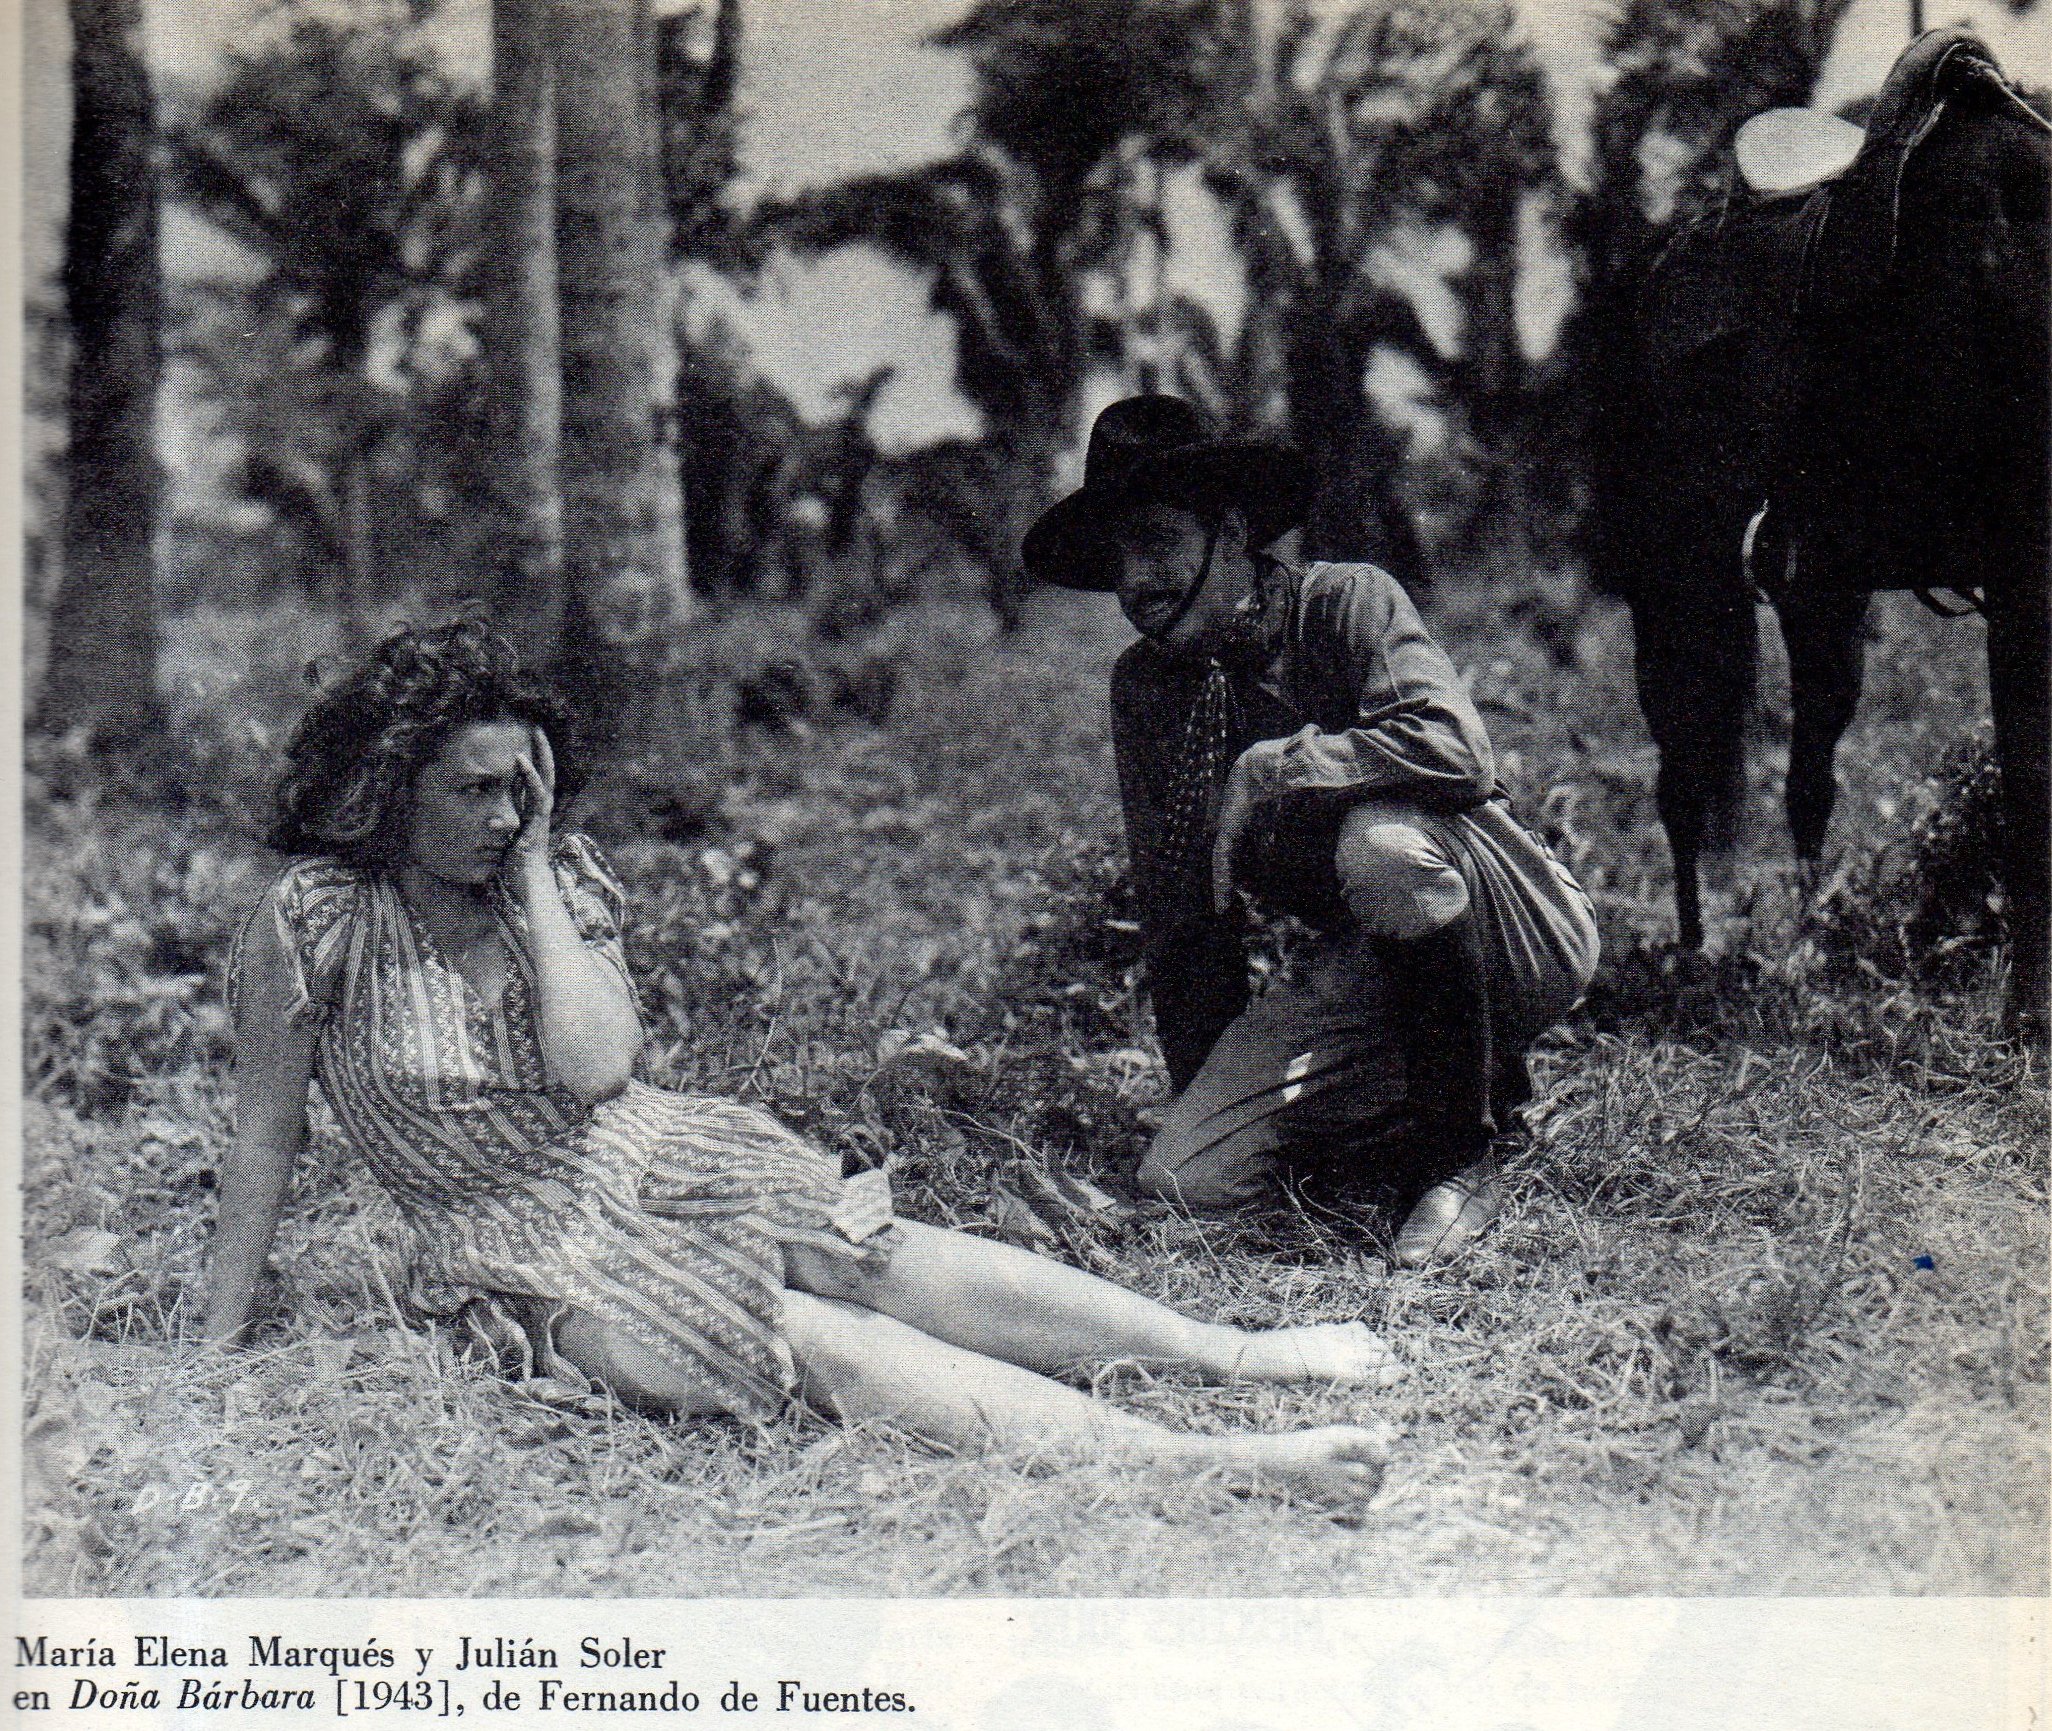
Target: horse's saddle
(1814, 227)
(1857, 239)
(1791, 150)
(1856, 421)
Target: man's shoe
(1448, 1215)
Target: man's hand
(1246, 789)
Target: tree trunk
(359, 579)
(1496, 542)
(1355, 512)
(625, 594)
(521, 333)
(359, 550)
(662, 332)
(102, 667)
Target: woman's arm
(273, 1066)
(590, 1029)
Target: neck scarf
(1197, 774)
(1214, 733)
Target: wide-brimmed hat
(1160, 449)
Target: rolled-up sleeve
(1414, 730)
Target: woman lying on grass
(451, 971)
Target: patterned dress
(663, 1214)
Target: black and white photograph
(1048, 800)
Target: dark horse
(1866, 360)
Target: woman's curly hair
(347, 787)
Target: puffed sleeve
(313, 907)
(597, 903)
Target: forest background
(724, 351)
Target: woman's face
(466, 802)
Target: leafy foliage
(343, 158)
(698, 54)
(1334, 148)
(356, 478)
(1930, 907)
(123, 942)
(1011, 229)
(338, 151)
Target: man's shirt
(1367, 705)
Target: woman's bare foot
(1338, 1466)
(1341, 1352)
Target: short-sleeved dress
(663, 1214)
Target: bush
(129, 916)
(1928, 906)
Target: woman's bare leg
(1002, 1302)
(858, 1364)
(863, 1365)
(633, 1372)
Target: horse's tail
(1698, 653)
(1730, 698)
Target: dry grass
(1767, 1310)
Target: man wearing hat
(1294, 733)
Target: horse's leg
(1695, 649)
(1685, 846)
(2019, 641)
(1676, 793)
(1826, 662)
